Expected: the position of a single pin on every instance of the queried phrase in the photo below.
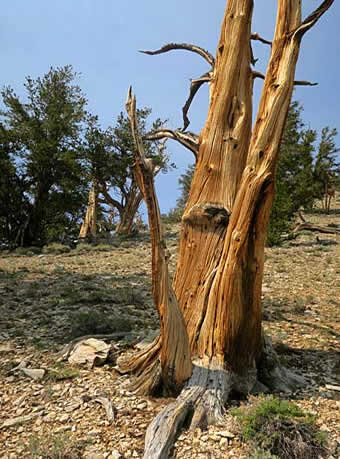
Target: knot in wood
(207, 214)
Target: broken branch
(184, 46)
(312, 19)
(175, 356)
(194, 87)
(187, 139)
(296, 82)
(256, 36)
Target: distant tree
(13, 202)
(45, 131)
(109, 156)
(295, 187)
(327, 167)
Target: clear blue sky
(100, 38)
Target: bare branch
(304, 83)
(256, 36)
(185, 46)
(109, 199)
(187, 139)
(194, 87)
(312, 19)
(258, 75)
(296, 83)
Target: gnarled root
(204, 397)
(273, 375)
(146, 368)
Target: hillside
(47, 299)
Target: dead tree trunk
(221, 256)
(128, 213)
(89, 227)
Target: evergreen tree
(110, 163)
(295, 187)
(46, 130)
(327, 166)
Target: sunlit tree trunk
(89, 227)
(221, 257)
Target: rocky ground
(48, 299)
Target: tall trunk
(89, 227)
(222, 156)
(221, 256)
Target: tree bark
(128, 212)
(89, 227)
(221, 257)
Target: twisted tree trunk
(221, 256)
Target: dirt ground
(48, 299)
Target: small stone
(142, 406)
(20, 429)
(64, 418)
(115, 454)
(223, 442)
(204, 438)
(226, 434)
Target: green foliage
(61, 372)
(295, 186)
(39, 146)
(175, 215)
(280, 428)
(327, 167)
(109, 161)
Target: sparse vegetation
(56, 248)
(54, 447)
(281, 428)
(62, 372)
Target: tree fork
(220, 266)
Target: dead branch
(187, 139)
(304, 83)
(194, 87)
(183, 46)
(175, 353)
(258, 75)
(256, 36)
(312, 19)
(296, 82)
(306, 226)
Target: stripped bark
(174, 358)
(89, 227)
(221, 257)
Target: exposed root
(201, 402)
(204, 398)
(146, 367)
(273, 375)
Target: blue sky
(101, 39)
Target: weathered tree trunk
(175, 358)
(128, 213)
(89, 227)
(221, 256)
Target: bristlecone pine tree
(211, 340)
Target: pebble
(142, 406)
(115, 454)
